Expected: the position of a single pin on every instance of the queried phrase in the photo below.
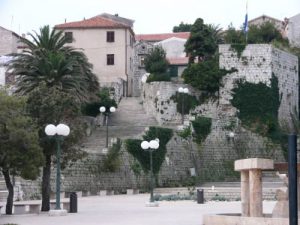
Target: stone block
(253, 163)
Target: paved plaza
(131, 210)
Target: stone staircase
(129, 121)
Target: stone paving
(131, 210)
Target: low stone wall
(229, 219)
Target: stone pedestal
(245, 193)
(255, 193)
(251, 185)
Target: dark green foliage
(185, 133)
(155, 62)
(133, 146)
(265, 33)
(233, 36)
(205, 76)
(103, 99)
(112, 161)
(262, 34)
(202, 43)
(20, 152)
(202, 128)
(258, 107)
(190, 102)
(238, 48)
(182, 27)
(158, 77)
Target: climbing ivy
(202, 127)
(258, 107)
(190, 102)
(133, 146)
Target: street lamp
(106, 112)
(182, 91)
(58, 132)
(150, 146)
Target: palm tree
(48, 60)
(49, 64)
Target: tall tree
(156, 64)
(202, 43)
(20, 153)
(60, 78)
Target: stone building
(279, 24)
(107, 40)
(8, 41)
(172, 43)
(293, 30)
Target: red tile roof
(178, 61)
(160, 37)
(94, 22)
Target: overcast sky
(151, 16)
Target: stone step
(3, 195)
(129, 121)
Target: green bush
(112, 161)
(158, 77)
(133, 146)
(104, 99)
(202, 128)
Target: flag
(246, 20)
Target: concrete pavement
(131, 210)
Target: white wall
(93, 42)
(293, 32)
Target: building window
(110, 58)
(141, 61)
(110, 36)
(69, 37)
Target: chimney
(65, 20)
(116, 14)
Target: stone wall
(258, 62)
(157, 101)
(85, 175)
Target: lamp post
(182, 91)
(150, 146)
(57, 132)
(106, 112)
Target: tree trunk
(10, 188)
(46, 184)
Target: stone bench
(20, 207)
(65, 204)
